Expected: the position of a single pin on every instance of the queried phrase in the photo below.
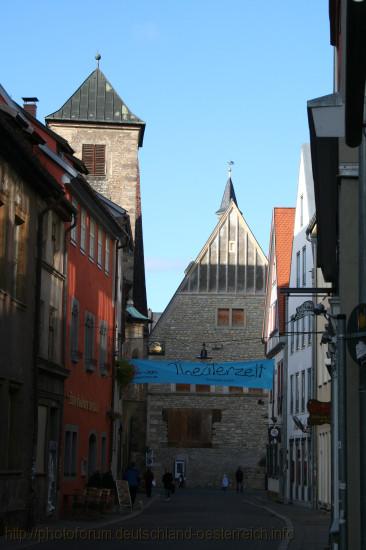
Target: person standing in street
(225, 483)
(168, 483)
(239, 476)
(149, 478)
(132, 475)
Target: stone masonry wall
(190, 320)
(119, 184)
(239, 439)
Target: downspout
(314, 385)
(64, 330)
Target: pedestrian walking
(239, 476)
(149, 479)
(132, 475)
(168, 483)
(225, 482)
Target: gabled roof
(229, 194)
(96, 101)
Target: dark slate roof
(229, 194)
(96, 101)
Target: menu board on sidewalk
(123, 492)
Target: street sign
(306, 308)
(356, 333)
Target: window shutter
(99, 160)
(88, 157)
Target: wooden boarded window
(189, 427)
(203, 388)
(183, 387)
(237, 316)
(94, 159)
(223, 317)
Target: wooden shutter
(99, 160)
(94, 159)
(88, 157)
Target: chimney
(30, 105)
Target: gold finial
(98, 57)
(230, 163)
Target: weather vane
(98, 57)
(230, 163)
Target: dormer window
(94, 159)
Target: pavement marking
(284, 544)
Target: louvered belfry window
(94, 159)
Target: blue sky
(214, 81)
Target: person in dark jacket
(168, 483)
(239, 476)
(132, 475)
(149, 478)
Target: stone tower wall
(120, 182)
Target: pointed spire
(229, 193)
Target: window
(183, 387)
(19, 259)
(297, 334)
(83, 230)
(100, 247)
(106, 259)
(292, 336)
(301, 210)
(52, 333)
(303, 332)
(189, 427)
(55, 236)
(297, 392)
(304, 266)
(94, 159)
(202, 388)
(74, 230)
(291, 393)
(303, 391)
(41, 439)
(309, 384)
(103, 334)
(92, 239)
(237, 317)
(103, 453)
(310, 328)
(223, 317)
(70, 455)
(89, 342)
(74, 331)
(298, 269)
(230, 317)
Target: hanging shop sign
(306, 308)
(319, 412)
(245, 374)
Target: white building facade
(300, 343)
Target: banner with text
(247, 374)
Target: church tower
(106, 136)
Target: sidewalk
(80, 522)
(310, 527)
